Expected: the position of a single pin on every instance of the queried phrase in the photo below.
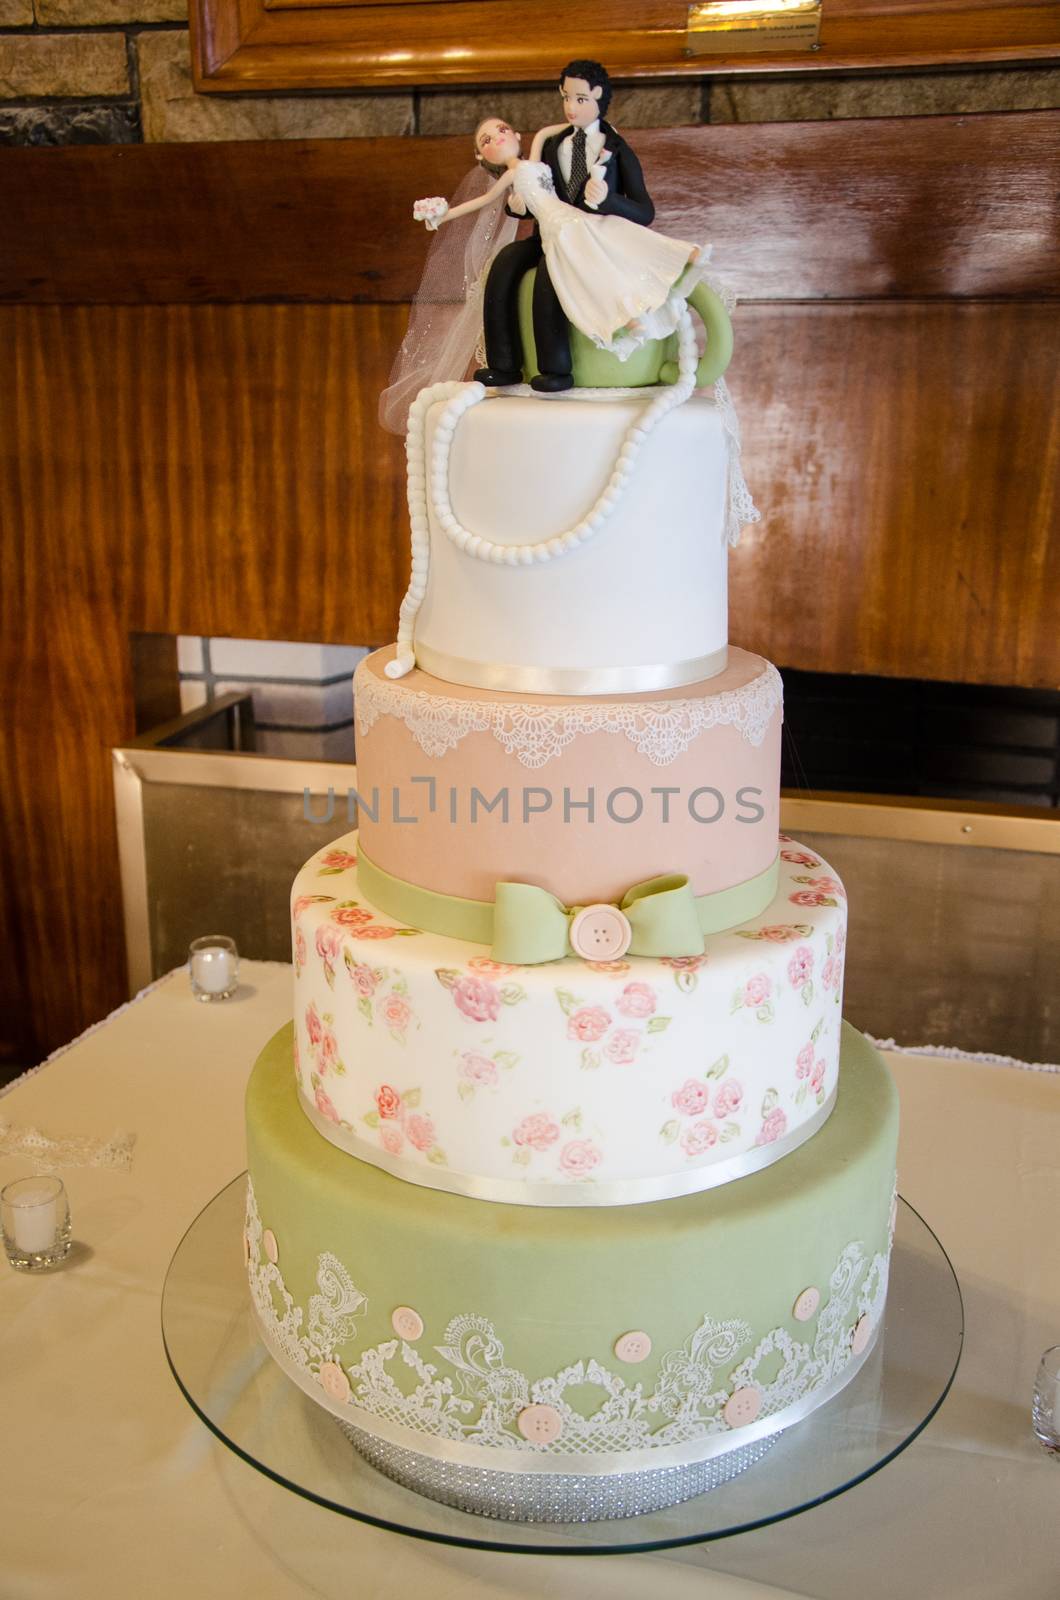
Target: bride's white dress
(608, 272)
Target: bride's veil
(445, 323)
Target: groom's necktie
(579, 169)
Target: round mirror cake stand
(236, 1388)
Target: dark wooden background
(192, 339)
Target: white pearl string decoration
(432, 478)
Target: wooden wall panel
(896, 207)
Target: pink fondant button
(600, 933)
(406, 1323)
(861, 1335)
(272, 1249)
(742, 1407)
(806, 1305)
(539, 1424)
(633, 1347)
(334, 1381)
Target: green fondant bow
(530, 925)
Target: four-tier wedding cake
(569, 1189)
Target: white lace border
(487, 1457)
(618, 1192)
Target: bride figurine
(620, 283)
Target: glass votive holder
(213, 964)
(1045, 1407)
(35, 1216)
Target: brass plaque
(750, 27)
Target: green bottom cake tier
(554, 1363)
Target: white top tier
(639, 605)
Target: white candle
(213, 970)
(36, 1219)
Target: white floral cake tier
(572, 1082)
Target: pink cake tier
(461, 789)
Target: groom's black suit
(626, 197)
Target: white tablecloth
(112, 1487)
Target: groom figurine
(586, 91)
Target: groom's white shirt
(594, 143)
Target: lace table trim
(472, 1397)
(661, 730)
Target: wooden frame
(277, 45)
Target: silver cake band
(570, 680)
(516, 1192)
(494, 1457)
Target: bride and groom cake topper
(599, 266)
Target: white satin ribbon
(485, 1457)
(624, 1192)
(569, 680)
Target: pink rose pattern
(477, 998)
(335, 861)
(699, 1138)
(477, 1069)
(401, 1126)
(728, 1098)
(537, 1131)
(774, 1123)
(300, 952)
(691, 1098)
(588, 1024)
(636, 1000)
(396, 1012)
(622, 1046)
(578, 1158)
(324, 1105)
(800, 967)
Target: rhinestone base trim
(552, 1496)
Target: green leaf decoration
(344, 903)
(573, 1119)
(315, 1080)
(659, 1024)
(364, 1006)
(465, 1090)
(329, 872)
(506, 1058)
(506, 1140)
(512, 993)
(329, 973)
(399, 985)
(807, 993)
(590, 1058)
(339, 1070)
(329, 1017)
(686, 979)
(737, 1003)
(770, 1101)
(412, 1098)
(829, 942)
(436, 1155)
(670, 1130)
(372, 1119)
(765, 1012)
(731, 1130)
(447, 976)
(410, 933)
(568, 1002)
(816, 1034)
(522, 1158)
(800, 1093)
(719, 1069)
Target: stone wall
(118, 72)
